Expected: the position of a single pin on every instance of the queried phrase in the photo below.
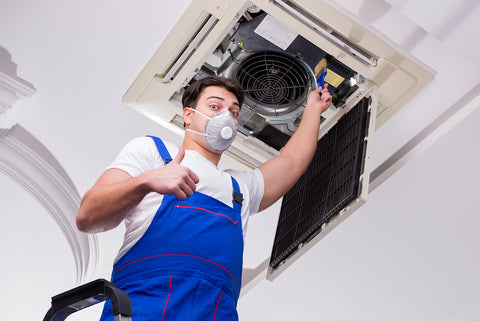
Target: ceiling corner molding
(29, 163)
(23, 159)
(13, 92)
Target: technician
(185, 218)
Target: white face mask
(220, 130)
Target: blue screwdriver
(321, 72)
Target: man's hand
(115, 193)
(320, 98)
(173, 178)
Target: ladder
(87, 295)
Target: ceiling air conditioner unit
(272, 48)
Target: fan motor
(275, 83)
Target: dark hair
(193, 92)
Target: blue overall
(188, 264)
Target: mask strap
(196, 111)
(194, 131)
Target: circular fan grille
(274, 83)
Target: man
(185, 219)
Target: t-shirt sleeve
(257, 189)
(137, 156)
(254, 183)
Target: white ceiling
(410, 253)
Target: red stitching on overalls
(191, 255)
(168, 297)
(219, 296)
(203, 209)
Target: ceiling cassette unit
(274, 50)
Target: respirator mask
(220, 130)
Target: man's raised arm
(282, 172)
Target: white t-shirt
(141, 155)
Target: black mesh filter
(330, 183)
(275, 83)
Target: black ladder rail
(87, 295)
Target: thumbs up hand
(173, 178)
(181, 154)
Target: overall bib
(188, 264)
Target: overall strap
(237, 194)
(162, 149)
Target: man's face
(212, 101)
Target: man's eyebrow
(223, 99)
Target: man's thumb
(181, 154)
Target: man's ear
(187, 116)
